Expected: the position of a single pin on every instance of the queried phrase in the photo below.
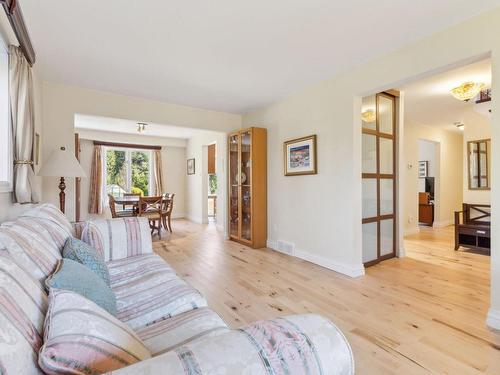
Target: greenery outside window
(128, 171)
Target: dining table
(132, 200)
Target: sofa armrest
(117, 238)
(299, 344)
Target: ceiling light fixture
(459, 125)
(467, 90)
(368, 115)
(141, 127)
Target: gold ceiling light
(368, 115)
(141, 127)
(467, 90)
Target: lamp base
(62, 197)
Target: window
(128, 170)
(5, 131)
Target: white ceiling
(224, 55)
(108, 124)
(429, 102)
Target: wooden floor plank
(422, 314)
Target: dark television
(429, 186)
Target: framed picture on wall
(191, 166)
(300, 156)
(423, 167)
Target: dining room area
(137, 169)
(156, 209)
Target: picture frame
(37, 148)
(423, 169)
(190, 166)
(300, 156)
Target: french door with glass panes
(379, 177)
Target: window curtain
(95, 196)
(23, 126)
(158, 172)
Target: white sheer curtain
(23, 126)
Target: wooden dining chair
(168, 206)
(152, 209)
(121, 213)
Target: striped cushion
(32, 246)
(80, 337)
(168, 334)
(147, 290)
(23, 304)
(52, 214)
(119, 238)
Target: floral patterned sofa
(173, 320)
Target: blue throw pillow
(85, 254)
(71, 275)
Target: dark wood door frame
(381, 176)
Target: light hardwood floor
(417, 315)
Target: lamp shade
(62, 163)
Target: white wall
(62, 102)
(443, 149)
(476, 127)
(321, 213)
(197, 184)
(427, 151)
(173, 160)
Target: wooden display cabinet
(247, 187)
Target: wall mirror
(478, 160)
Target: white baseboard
(195, 219)
(442, 223)
(493, 319)
(178, 215)
(345, 269)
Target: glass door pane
(369, 242)
(246, 193)
(368, 113)
(386, 155)
(369, 186)
(116, 173)
(386, 237)
(234, 186)
(385, 114)
(369, 153)
(386, 196)
(139, 165)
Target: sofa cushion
(148, 290)
(71, 275)
(23, 304)
(168, 334)
(31, 246)
(85, 254)
(80, 337)
(51, 213)
(118, 238)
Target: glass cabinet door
(245, 183)
(234, 193)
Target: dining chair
(152, 209)
(168, 206)
(121, 213)
(130, 195)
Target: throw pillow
(85, 254)
(71, 275)
(82, 338)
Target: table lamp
(61, 163)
